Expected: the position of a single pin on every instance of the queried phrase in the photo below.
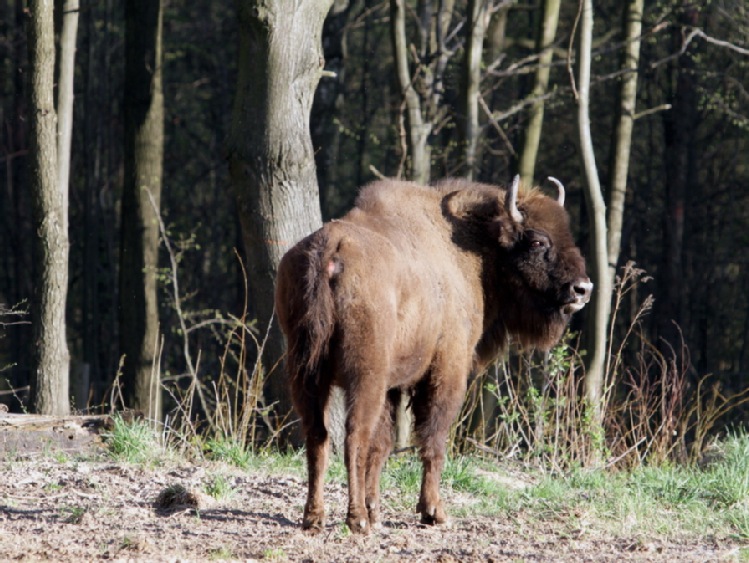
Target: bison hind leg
(311, 410)
(379, 450)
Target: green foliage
(219, 488)
(133, 441)
(229, 451)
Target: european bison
(410, 291)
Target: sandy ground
(62, 510)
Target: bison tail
(315, 318)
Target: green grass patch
(228, 451)
(134, 441)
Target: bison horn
(512, 200)
(560, 186)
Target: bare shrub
(533, 409)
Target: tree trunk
(271, 158)
(65, 97)
(544, 41)
(79, 383)
(599, 309)
(478, 19)
(139, 244)
(50, 360)
(328, 104)
(622, 140)
(417, 129)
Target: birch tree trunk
(622, 140)
(139, 244)
(598, 312)
(79, 380)
(478, 19)
(417, 129)
(50, 357)
(271, 158)
(544, 41)
(65, 97)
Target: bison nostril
(583, 289)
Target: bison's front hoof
(374, 516)
(314, 521)
(432, 514)
(358, 523)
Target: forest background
(382, 108)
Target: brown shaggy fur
(410, 291)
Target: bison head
(534, 274)
(539, 246)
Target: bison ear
(470, 205)
(504, 230)
(482, 211)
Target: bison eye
(539, 244)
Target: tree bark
(599, 309)
(139, 244)
(622, 140)
(50, 358)
(65, 97)
(544, 41)
(271, 158)
(417, 129)
(478, 19)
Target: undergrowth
(527, 408)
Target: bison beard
(411, 290)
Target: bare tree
(139, 243)
(622, 140)
(271, 158)
(50, 359)
(544, 42)
(478, 21)
(598, 314)
(79, 383)
(422, 86)
(65, 96)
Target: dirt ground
(62, 510)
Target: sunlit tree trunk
(599, 309)
(50, 357)
(544, 41)
(141, 197)
(478, 19)
(271, 158)
(65, 97)
(622, 140)
(79, 382)
(417, 129)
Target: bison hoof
(358, 524)
(432, 515)
(374, 516)
(314, 521)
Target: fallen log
(28, 434)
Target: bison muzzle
(409, 292)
